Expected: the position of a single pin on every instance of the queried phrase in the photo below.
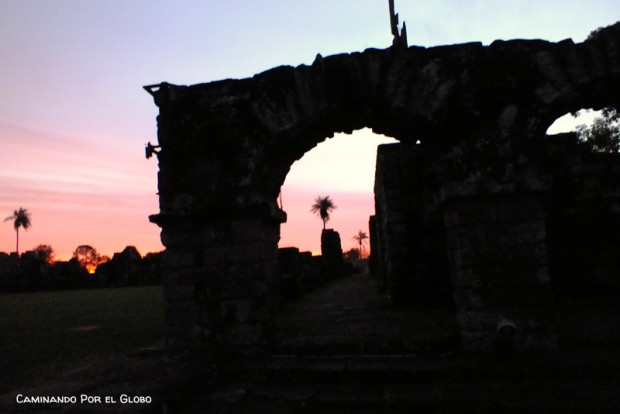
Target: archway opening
(342, 167)
(570, 121)
(334, 313)
(597, 130)
(583, 227)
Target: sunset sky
(74, 117)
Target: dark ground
(343, 348)
(349, 316)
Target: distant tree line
(36, 269)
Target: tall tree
(45, 252)
(323, 206)
(361, 238)
(88, 257)
(21, 218)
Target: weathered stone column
(249, 288)
(392, 215)
(408, 235)
(221, 282)
(219, 227)
(497, 251)
(183, 277)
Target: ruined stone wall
(409, 233)
(512, 249)
(497, 250)
(487, 251)
(221, 282)
(226, 147)
(584, 220)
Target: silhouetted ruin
(502, 251)
(483, 217)
(129, 268)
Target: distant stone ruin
(490, 202)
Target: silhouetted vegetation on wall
(603, 135)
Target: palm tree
(323, 206)
(360, 238)
(21, 218)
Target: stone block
(238, 310)
(255, 230)
(467, 299)
(546, 342)
(539, 320)
(479, 320)
(514, 299)
(176, 277)
(468, 211)
(478, 341)
(178, 259)
(460, 214)
(331, 248)
(496, 234)
(519, 208)
(475, 340)
(258, 251)
(248, 271)
(180, 235)
(246, 336)
(499, 277)
(240, 289)
(212, 255)
(527, 257)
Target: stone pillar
(290, 272)
(407, 230)
(497, 253)
(331, 254)
(221, 282)
(249, 288)
(183, 278)
(393, 213)
(331, 248)
(375, 264)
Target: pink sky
(350, 185)
(77, 192)
(85, 193)
(74, 118)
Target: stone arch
(226, 147)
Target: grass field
(44, 333)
